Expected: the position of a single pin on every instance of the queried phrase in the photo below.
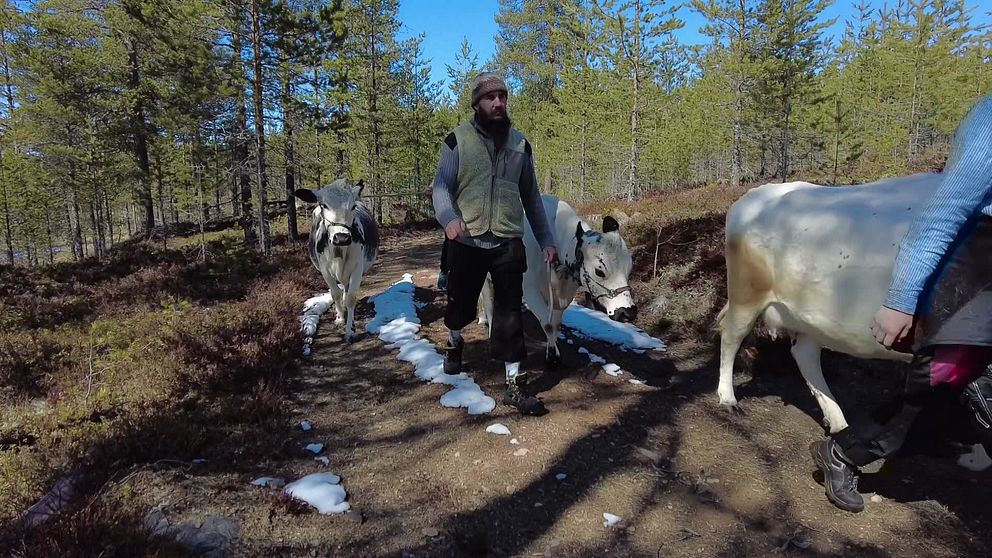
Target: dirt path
(686, 477)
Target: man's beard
(491, 125)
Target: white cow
(815, 262)
(598, 261)
(344, 240)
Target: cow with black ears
(598, 261)
(344, 240)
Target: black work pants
(956, 310)
(467, 269)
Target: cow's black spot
(322, 241)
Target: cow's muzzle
(341, 239)
(625, 314)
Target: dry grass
(152, 354)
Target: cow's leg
(486, 301)
(538, 301)
(337, 295)
(736, 322)
(806, 351)
(351, 300)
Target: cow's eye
(601, 273)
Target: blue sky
(444, 24)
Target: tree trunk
(783, 156)
(140, 131)
(636, 64)
(288, 124)
(240, 140)
(264, 243)
(72, 208)
(372, 98)
(48, 236)
(8, 234)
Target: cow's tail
(718, 324)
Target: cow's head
(605, 270)
(335, 208)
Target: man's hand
(891, 326)
(454, 229)
(550, 254)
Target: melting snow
(498, 429)
(304, 425)
(269, 482)
(637, 381)
(612, 369)
(396, 323)
(561, 476)
(609, 520)
(976, 459)
(591, 324)
(592, 356)
(313, 309)
(515, 441)
(315, 448)
(322, 491)
(323, 460)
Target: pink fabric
(958, 365)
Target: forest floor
(685, 476)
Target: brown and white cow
(815, 263)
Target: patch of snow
(322, 491)
(975, 460)
(314, 448)
(396, 323)
(609, 520)
(269, 482)
(561, 476)
(637, 381)
(592, 356)
(323, 460)
(304, 426)
(612, 369)
(313, 308)
(515, 441)
(538, 504)
(498, 428)
(590, 324)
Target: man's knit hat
(484, 84)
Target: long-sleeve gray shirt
(446, 186)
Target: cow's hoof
(735, 411)
(551, 360)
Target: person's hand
(454, 229)
(891, 326)
(550, 254)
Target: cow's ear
(578, 231)
(610, 224)
(358, 188)
(305, 195)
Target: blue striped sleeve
(445, 186)
(961, 195)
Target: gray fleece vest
(488, 195)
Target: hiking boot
(442, 282)
(840, 478)
(453, 357)
(526, 404)
(977, 397)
